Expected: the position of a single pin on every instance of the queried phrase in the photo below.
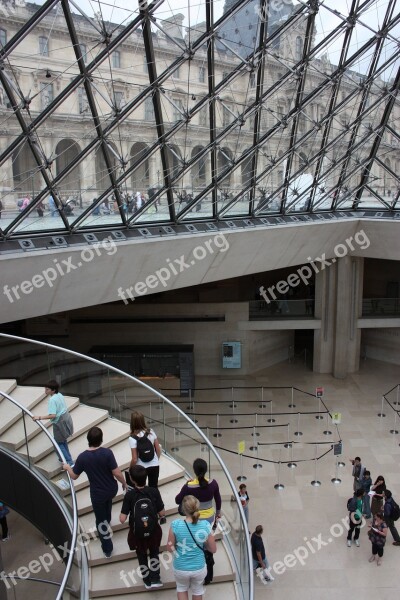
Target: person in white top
(145, 448)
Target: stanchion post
(327, 430)
(382, 414)
(394, 430)
(255, 432)
(254, 448)
(262, 405)
(292, 464)
(271, 418)
(234, 419)
(233, 398)
(204, 447)
(257, 465)
(336, 479)
(174, 447)
(298, 432)
(288, 443)
(319, 416)
(315, 482)
(217, 434)
(279, 485)
(241, 477)
(292, 404)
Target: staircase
(115, 577)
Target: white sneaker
(349, 543)
(357, 543)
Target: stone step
(170, 471)
(121, 549)
(227, 590)
(121, 577)
(14, 437)
(84, 417)
(7, 386)
(113, 432)
(28, 396)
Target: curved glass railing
(105, 387)
(19, 432)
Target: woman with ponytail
(204, 490)
(187, 539)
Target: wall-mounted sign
(231, 355)
(319, 392)
(336, 418)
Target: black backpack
(352, 504)
(144, 516)
(395, 514)
(145, 447)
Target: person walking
(258, 553)
(204, 490)
(145, 449)
(102, 471)
(355, 517)
(389, 509)
(4, 510)
(144, 504)
(377, 498)
(377, 535)
(60, 418)
(187, 539)
(366, 486)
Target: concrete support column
(338, 304)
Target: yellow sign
(336, 418)
(241, 447)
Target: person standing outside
(102, 471)
(366, 485)
(388, 510)
(145, 449)
(187, 540)
(138, 499)
(60, 418)
(204, 490)
(258, 553)
(377, 535)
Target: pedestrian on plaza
(366, 486)
(389, 512)
(4, 510)
(357, 473)
(1, 208)
(187, 540)
(53, 206)
(102, 471)
(377, 535)
(355, 517)
(244, 499)
(145, 449)
(60, 418)
(143, 504)
(377, 498)
(258, 553)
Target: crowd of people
(382, 511)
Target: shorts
(190, 579)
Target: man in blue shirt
(102, 471)
(258, 553)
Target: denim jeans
(367, 506)
(65, 450)
(102, 512)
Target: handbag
(209, 558)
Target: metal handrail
(177, 409)
(24, 410)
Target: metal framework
(258, 108)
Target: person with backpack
(355, 508)
(102, 471)
(188, 539)
(145, 449)
(143, 505)
(391, 513)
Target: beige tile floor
(300, 514)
